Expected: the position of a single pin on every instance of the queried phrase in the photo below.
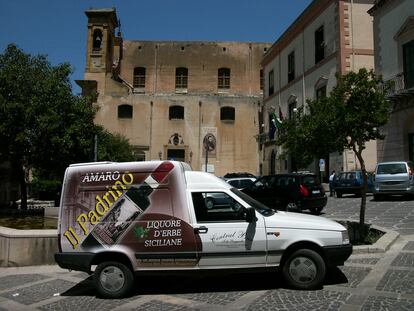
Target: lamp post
(209, 144)
(206, 146)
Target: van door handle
(201, 230)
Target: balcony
(266, 139)
(400, 87)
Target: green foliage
(361, 107)
(45, 189)
(351, 115)
(113, 147)
(42, 124)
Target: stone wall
(27, 247)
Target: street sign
(321, 165)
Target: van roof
(145, 166)
(91, 163)
(202, 180)
(394, 162)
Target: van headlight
(345, 237)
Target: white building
(394, 59)
(330, 37)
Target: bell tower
(101, 40)
(103, 51)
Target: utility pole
(95, 148)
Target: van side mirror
(251, 215)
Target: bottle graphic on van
(111, 228)
(125, 211)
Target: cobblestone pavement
(394, 213)
(376, 281)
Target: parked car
(351, 183)
(240, 182)
(394, 178)
(239, 174)
(216, 200)
(293, 192)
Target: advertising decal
(122, 215)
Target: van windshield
(261, 208)
(397, 168)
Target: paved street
(394, 213)
(377, 281)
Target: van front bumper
(337, 255)
(75, 261)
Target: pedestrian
(331, 184)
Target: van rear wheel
(304, 269)
(113, 279)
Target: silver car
(394, 178)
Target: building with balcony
(394, 59)
(330, 37)
(173, 99)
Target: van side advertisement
(128, 209)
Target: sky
(57, 28)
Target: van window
(397, 168)
(261, 208)
(267, 182)
(234, 183)
(217, 207)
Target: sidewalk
(373, 281)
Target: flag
(272, 125)
(279, 120)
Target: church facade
(176, 99)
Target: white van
(394, 178)
(118, 218)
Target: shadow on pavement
(335, 276)
(204, 282)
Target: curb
(381, 246)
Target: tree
(310, 134)
(42, 124)
(362, 109)
(113, 147)
(350, 117)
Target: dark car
(239, 174)
(351, 183)
(292, 192)
(240, 182)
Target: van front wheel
(304, 269)
(113, 279)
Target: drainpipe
(200, 152)
(150, 133)
(303, 70)
(280, 102)
(154, 84)
(352, 35)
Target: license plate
(316, 191)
